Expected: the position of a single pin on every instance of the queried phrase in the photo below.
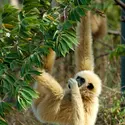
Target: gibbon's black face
(88, 80)
(80, 81)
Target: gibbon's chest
(91, 110)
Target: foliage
(111, 112)
(26, 35)
(118, 51)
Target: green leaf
(28, 77)
(1, 31)
(10, 79)
(14, 65)
(22, 102)
(3, 122)
(6, 86)
(85, 2)
(68, 44)
(63, 48)
(80, 11)
(67, 24)
(26, 96)
(25, 68)
(4, 108)
(34, 72)
(73, 16)
(12, 56)
(35, 59)
(30, 91)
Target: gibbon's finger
(72, 83)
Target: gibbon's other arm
(84, 53)
(77, 103)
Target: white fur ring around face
(72, 83)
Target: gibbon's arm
(84, 53)
(49, 83)
(77, 103)
(49, 61)
(51, 93)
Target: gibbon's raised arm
(49, 83)
(84, 52)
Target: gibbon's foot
(72, 83)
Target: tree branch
(112, 32)
(120, 3)
(102, 55)
(107, 45)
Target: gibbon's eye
(80, 81)
(90, 86)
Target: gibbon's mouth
(69, 86)
(79, 85)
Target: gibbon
(78, 103)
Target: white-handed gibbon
(78, 103)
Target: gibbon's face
(88, 80)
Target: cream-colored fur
(84, 53)
(99, 26)
(14, 3)
(49, 61)
(74, 106)
(78, 103)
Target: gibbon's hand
(72, 83)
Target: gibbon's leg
(77, 103)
